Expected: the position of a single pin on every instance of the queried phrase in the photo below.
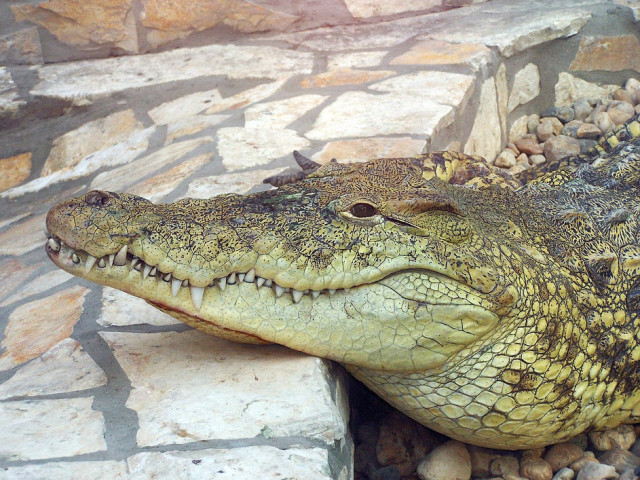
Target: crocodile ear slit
(307, 165)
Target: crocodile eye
(363, 210)
(97, 198)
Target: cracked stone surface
(96, 384)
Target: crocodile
(498, 313)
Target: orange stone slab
(343, 76)
(436, 52)
(23, 237)
(37, 326)
(611, 54)
(362, 150)
(12, 274)
(14, 170)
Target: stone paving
(96, 384)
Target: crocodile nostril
(98, 198)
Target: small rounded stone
(506, 159)
(544, 131)
(582, 109)
(623, 436)
(564, 114)
(532, 123)
(529, 145)
(603, 122)
(581, 462)
(596, 471)
(620, 459)
(562, 455)
(503, 465)
(559, 147)
(537, 159)
(621, 113)
(449, 461)
(632, 84)
(564, 474)
(535, 469)
(623, 95)
(481, 460)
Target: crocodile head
(475, 309)
(367, 264)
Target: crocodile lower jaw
(82, 264)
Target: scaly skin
(502, 317)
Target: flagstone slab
(242, 148)
(35, 327)
(24, 236)
(437, 52)
(608, 53)
(237, 182)
(120, 308)
(121, 177)
(364, 149)
(10, 99)
(526, 86)
(87, 79)
(343, 76)
(191, 125)
(356, 59)
(360, 114)
(280, 113)
(118, 154)
(568, 89)
(69, 149)
(63, 368)
(244, 463)
(247, 97)
(21, 47)
(159, 186)
(190, 386)
(12, 274)
(14, 170)
(107, 470)
(183, 107)
(375, 8)
(40, 429)
(40, 284)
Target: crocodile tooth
(241, 277)
(167, 277)
(53, 245)
(102, 263)
(297, 295)
(259, 281)
(111, 257)
(153, 272)
(185, 283)
(268, 282)
(90, 262)
(134, 262)
(250, 276)
(331, 291)
(175, 286)
(138, 266)
(145, 272)
(196, 296)
(231, 279)
(121, 257)
(279, 291)
(75, 258)
(222, 283)
(315, 293)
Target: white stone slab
(280, 113)
(121, 177)
(9, 97)
(445, 88)
(237, 182)
(570, 88)
(360, 114)
(39, 429)
(191, 125)
(190, 386)
(242, 148)
(244, 463)
(109, 470)
(355, 59)
(526, 86)
(118, 154)
(120, 308)
(42, 283)
(95, 78)
(183, 107)
(64, 368)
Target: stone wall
(48, 31)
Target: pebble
(581, 462)
(623, 95)
(571, 128)
(623, 436)
(581, 109)
(505, 464)
(529, 145)
(564, 114)
(588, 130)
(596, 471)
(522, 159)
(506, 159)
(564, 474)
(535, 469)
(559, 147)
(481, 460)
(621, 113)
(586, 144)
(532, 123)
(632, 84)
(449, 461)
(556, 124)
(537, 159)
(603, 122)
(620, 459)
(544, 131)
(562, 455)
(390, 472)
(635, 97)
